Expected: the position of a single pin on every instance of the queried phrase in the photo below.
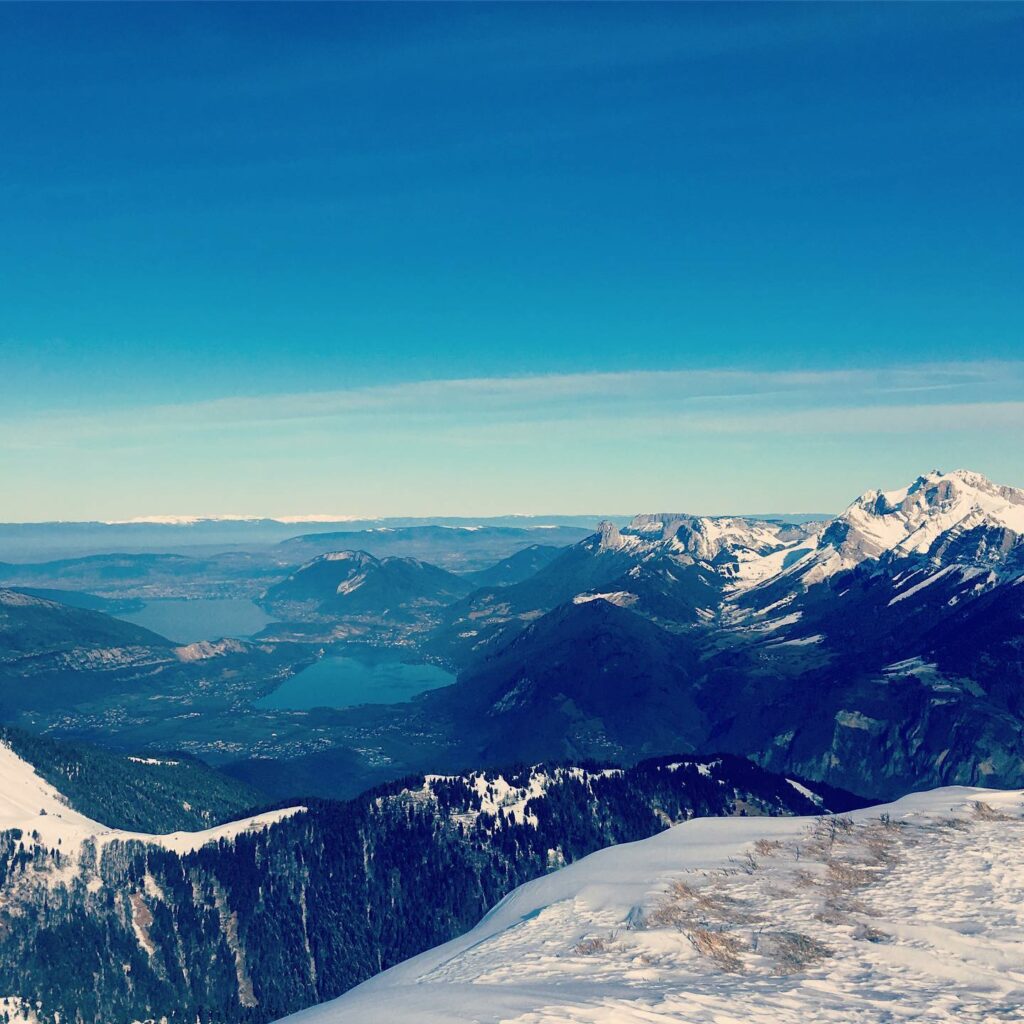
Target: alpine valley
(202, 823)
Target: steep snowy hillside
(907, 912)
(155, 794)
(30, 804)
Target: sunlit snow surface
(909, 912)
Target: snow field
(912, 912)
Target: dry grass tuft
(837, 908)
(986, 812)
(747, 863)
(844, 877)
(824, 834)
(590, 947)
(720, 947)
(804, 879)
(880, 847)
(956, 824)
(792, 951)
(686, 907)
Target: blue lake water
(202, 619)
(342, 681)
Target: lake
(201, 619)
(342, 681)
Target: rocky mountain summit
(355, 583)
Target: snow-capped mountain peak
(708, 539)
(911, 520)
(945, 498)
(742, 550)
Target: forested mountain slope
(165, 793)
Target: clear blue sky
(247, 251)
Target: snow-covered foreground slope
(29, 803)
(909, 912)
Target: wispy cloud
(959, 396)
(706, 440)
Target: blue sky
(440, 259)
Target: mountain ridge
(768, 921)
(262, 916)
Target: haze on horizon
(445, 259)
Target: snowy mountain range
(926, 518)
(878, 650)
(679, 568)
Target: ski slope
(910, 912)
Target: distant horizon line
(328, 520)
